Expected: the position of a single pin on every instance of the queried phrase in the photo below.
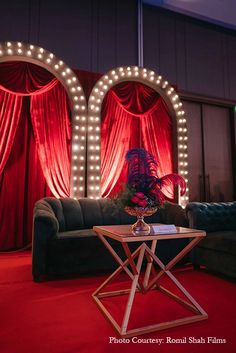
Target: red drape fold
(10, 110)
(133, 116)
(24, 162)
(52, 130)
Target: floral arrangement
(144, 187)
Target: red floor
(60, 316)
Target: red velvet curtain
(26, 123)
(133, 116)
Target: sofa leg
(196, 267)
(37, 278)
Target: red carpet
(60, 316)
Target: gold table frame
(122, 234)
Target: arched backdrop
(96, 99)
(35, 128)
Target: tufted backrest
(212, 217)
(85, 213)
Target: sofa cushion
(76, 234)
(220, 241)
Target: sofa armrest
(172, 213)
(45, 226)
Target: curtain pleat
(52, 130)
(133, 116)
(34, 161)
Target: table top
(123, 233)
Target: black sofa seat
(64, 242)
(218, 250)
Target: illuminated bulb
(82, 137)
(56, 66)
(60, 63)
(39, 56)
(19, 51)
(75, 157)
(83, 118)
(100, 83)
(75, 168)
(81, 178)
(92, 177)
(75, 188)
(81, 188)
(9, 51)
(97, 178)
(51, 55)
(74, 78)
(19, 44)
(82, 147)
(116, 77)
(110, 82)
(81, 168)
(75, 178)
(8, 44)
(41, 50)
(82, 128)
(121, 69)
(75, 147)
(68, 70)
(31, 47)
(136, 73)
(63, 73)
(97, 167)
(48, 60)
(91, 187)
(69, 81)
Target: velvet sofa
(64, 242)
(218, 250)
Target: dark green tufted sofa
(64, 243)
(218, 250)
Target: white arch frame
(168, 93)
(19, 51)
